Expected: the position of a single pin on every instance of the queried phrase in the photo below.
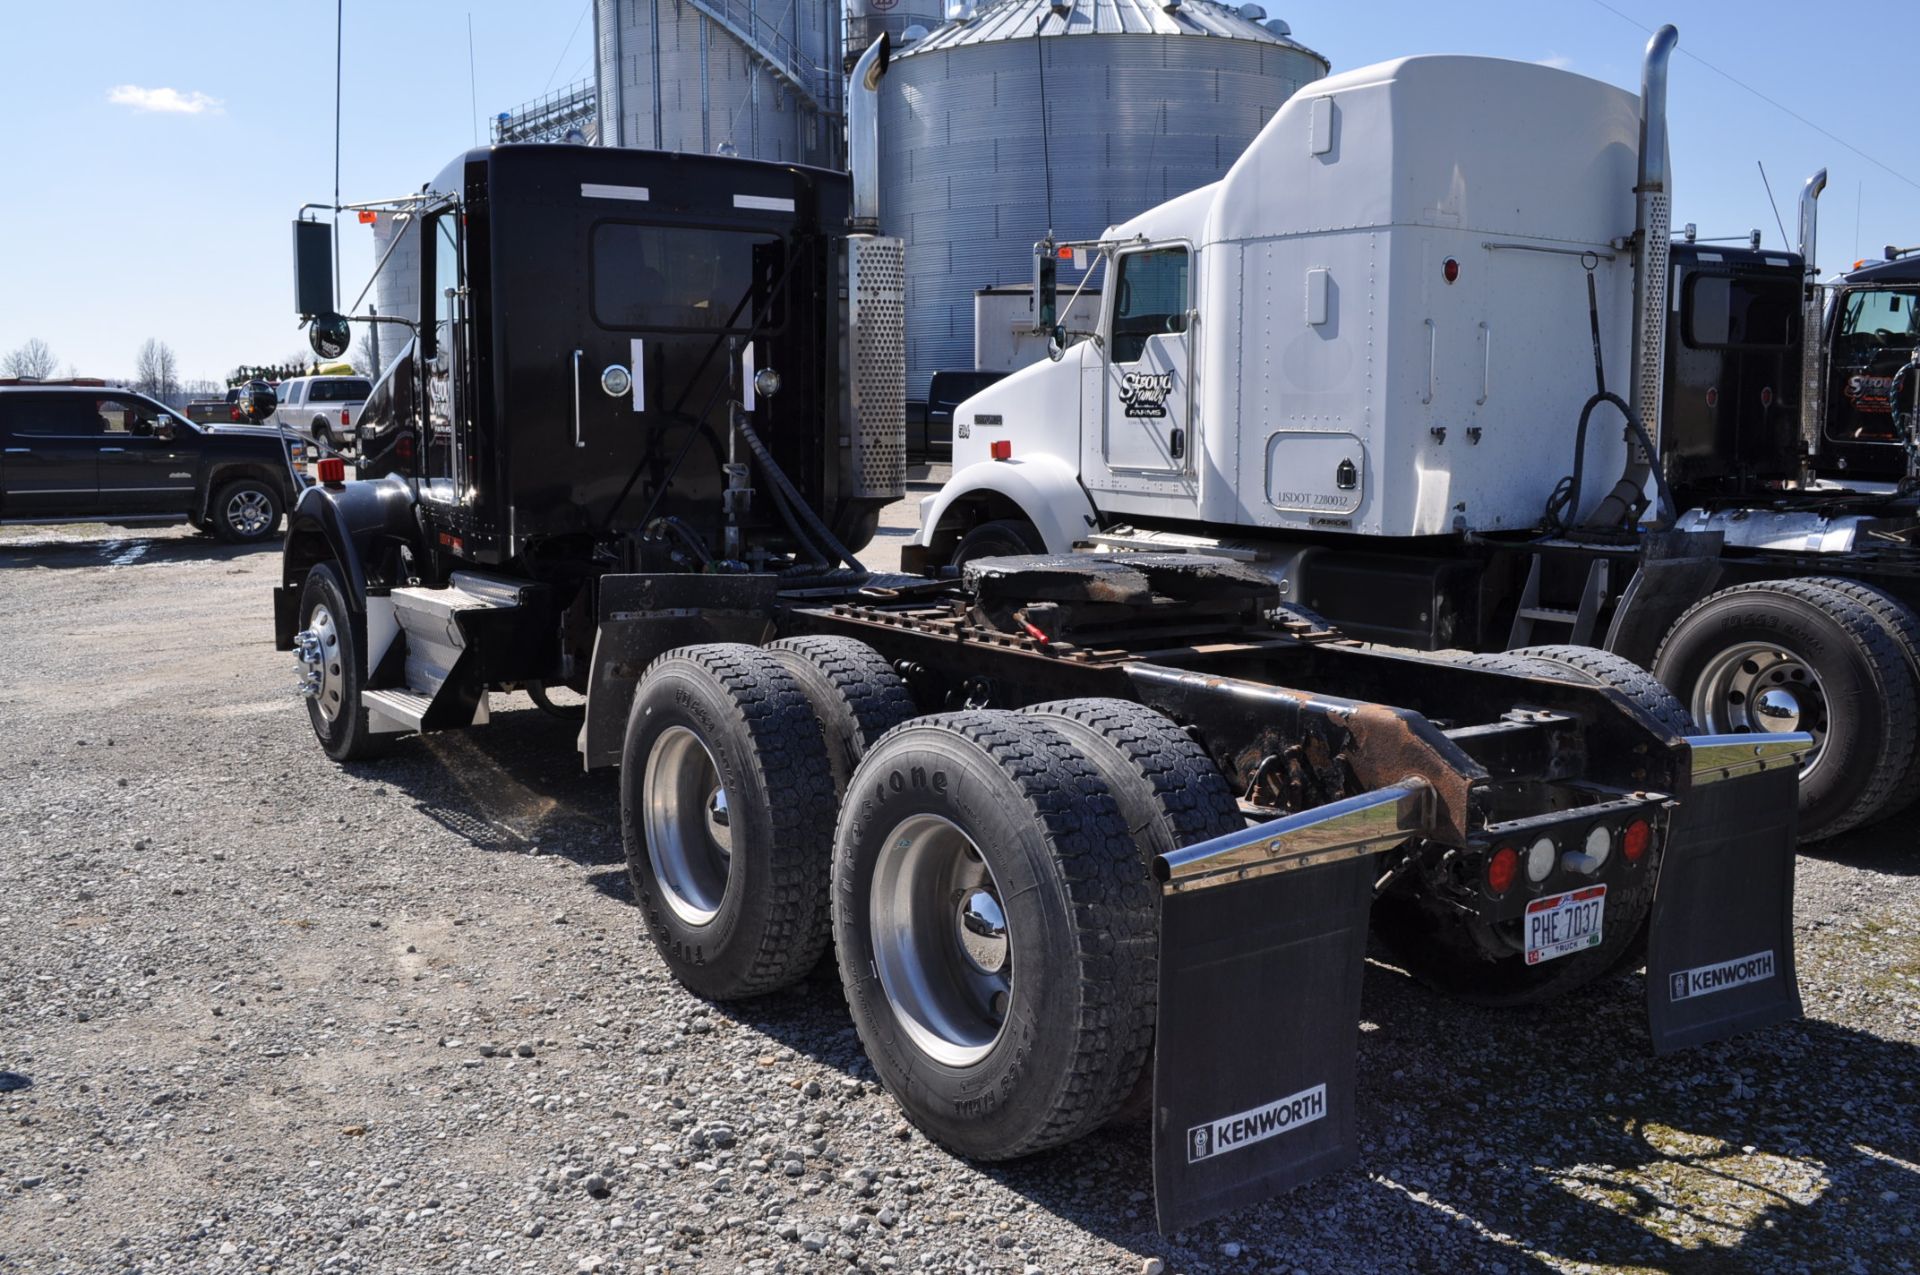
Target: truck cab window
(50, 416)
(1722, 311)
(439, 449)
(1880, 317)
(680, 277)
(1150, 298)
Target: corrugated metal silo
(1144, 101)
(761, 76)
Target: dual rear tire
(986, 883)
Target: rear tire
(1617, 672)
(245, 511)
(338, 717)
(1903, 626)
(1001, 538)
(726, 809)
(996, 929)
(1827, 664)
(1169, 791)
(854, 692)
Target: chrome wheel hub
(249, 513)
(1755, 687)
(319, 652)
(688, 825)
(941, 944)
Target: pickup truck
(73, 452)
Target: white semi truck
(1364, 360)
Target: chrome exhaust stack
(1812, 322)
(863, 134)
(1653, 228)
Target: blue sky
(153, 155)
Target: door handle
(112, 449)
(1177, 444)
(19, 451)
(577, 440)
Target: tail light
(1636, 840)
(331, 470)
(344, 418)
(1502, 868)
(233, 413)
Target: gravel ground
(270, 1014)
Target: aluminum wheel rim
(689, 831)
(941, 944)
(1760, 688)
(249, 512)
(325, 661)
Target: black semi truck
(1074, 829)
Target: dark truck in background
(86, 451)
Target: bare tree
(155, 371)
(32, 359)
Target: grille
(877, 293)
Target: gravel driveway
(265, 1013)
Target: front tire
(245, 511)
(1001, 538)
(336, 655)
(726, 808)
(1797, 655)
(996, 929)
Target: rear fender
(1043, 489)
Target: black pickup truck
(92, 452)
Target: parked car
(97, 453)
(323, 408)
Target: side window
(1150, 297)
(119, 417)
(1723, 311)
(437, 462)
(51, 416)
(295, 389)
(1879, 317)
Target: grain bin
(1144, 101)
(756, 78)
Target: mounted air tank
(1144, 101)
(756, 78)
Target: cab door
(51, 456)
(1137, 418)
(142, 470)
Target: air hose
(1626, 498)
(793, 503)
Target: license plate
(1563, 923)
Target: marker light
(1540, 858)
(1001, 449)
(331, 470)
(1451, 270)
(1635, 842)
(368, 216)
(1502, 868)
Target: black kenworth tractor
(1074, 828)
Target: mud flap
(1253, 1077)
(1720, 946)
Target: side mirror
(330, 334)
(312, 268)
(1057, 342)
(261, 402)
(164, 431)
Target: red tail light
(1635, 841)
(331, 470)
(233, 414)
(403, 447)
(344, 418)
(1502, 868)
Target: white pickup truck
(323, 408)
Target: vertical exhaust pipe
(1652, 232)
(863, 135)
(1812, 329)
(1653, 226)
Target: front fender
(348, 524)
(1045, 489)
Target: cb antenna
(1776, 207)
